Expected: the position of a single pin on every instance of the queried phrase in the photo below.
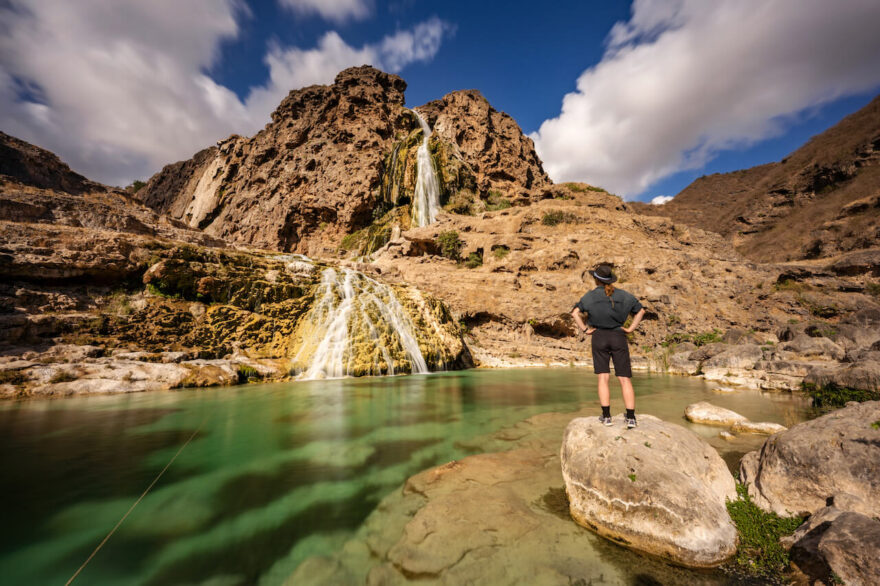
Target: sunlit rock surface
(657, 488)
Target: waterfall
(356, 326)
(426, 200)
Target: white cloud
(661, 199)
(118, 92)
(684, 79)
(335, 10)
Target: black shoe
(604, 420)
(630, 422)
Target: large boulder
(839, 540)
(657, 488)
(742, 356)
(863, 375)
(808, 346)
(796, 471)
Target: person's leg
(629, 395)
(604, 389)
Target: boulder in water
(796, 471)
(657, 488)
(710, 414)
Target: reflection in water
(277, 473)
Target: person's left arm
(638, 318)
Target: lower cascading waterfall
(426, 199)
(356, 327)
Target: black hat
(604, 274)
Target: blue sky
(656, 93)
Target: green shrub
(135, 186)
(500, 251)
(759, 554)
(831, 395)
(707, 337)
(450, 244)
(553, 218)
(873, 289)
(496, 201)
(474, 260)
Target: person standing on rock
(607, 309)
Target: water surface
(273, 473)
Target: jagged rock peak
(491, 141)
(357, 85)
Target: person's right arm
(638, 318)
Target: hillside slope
(821, 200)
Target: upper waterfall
(426, 199)
(357, 326)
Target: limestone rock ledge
(657, 488)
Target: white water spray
(357, 326)
(426, 200)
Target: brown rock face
(314, 168)
(27, 164)
(491, 142)
(821, 200)
(336, 158)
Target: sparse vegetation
(474, 260)
(450, 245)
(62, 376)
(135, 186)
(496, 201)
(247, 373)
(876, 424)
(632, 477)
(873, 289)
(500, 251)
(789, 285)
(583, 187)
(760, 555)
(830, 395)
(700, 339)
(557, 217)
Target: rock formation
(657, 488)
(101, 294)
(335, 159)
(838, 543)
(821, 200)
(798, 470)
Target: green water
(273, 473)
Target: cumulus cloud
(335, 10)
(684, 79)
(661, 199)
(118, 92)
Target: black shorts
(613, 345)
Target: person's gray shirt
(602, 314)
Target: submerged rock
(796, 471)
(657, 488)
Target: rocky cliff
(821, 200)
(336, 159)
